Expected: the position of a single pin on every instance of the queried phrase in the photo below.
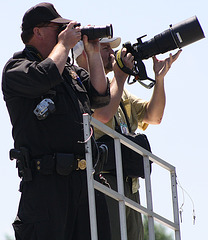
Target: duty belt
(62, 163)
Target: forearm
(66, 41)
(105, 114)
(59, 56)
(97, 74)
(156, 106)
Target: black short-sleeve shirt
(26, 81)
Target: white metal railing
(119, 195)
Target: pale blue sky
(181, 137)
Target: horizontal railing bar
(137, 207)
(142, 151)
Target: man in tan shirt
(139, 113)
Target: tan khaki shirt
(135, 110)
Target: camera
(177, 36)
(44, 108)
(94, 32)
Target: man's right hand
(128, 60)
(70, 36)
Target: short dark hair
(27, 34)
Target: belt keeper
(45, 165)
(38, 165)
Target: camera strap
(121, 64)
(139, 74)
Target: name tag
(124, 128)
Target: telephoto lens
(177, 36)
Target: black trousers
(55, 207)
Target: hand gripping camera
(177, 36)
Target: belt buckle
(81, 164)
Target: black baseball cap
(40, 13)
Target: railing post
(175, 204)
(90, 177)
(120, 184)
(149, 197)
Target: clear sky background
(181, 138)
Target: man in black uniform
(46, 97)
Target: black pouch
(132, 161)
(133, 165)
(65, 163)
